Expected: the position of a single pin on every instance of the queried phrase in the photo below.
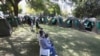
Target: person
(37, 25)
(50, 45)
(43, 51)
(32, 23)
(29, 21)
(41, 33)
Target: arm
(43, 44)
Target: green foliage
(45, 6)
(4, 7)
(36, 4)
(11, 3)
(87, 8)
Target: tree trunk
(16, 9)
(15, 6)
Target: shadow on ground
(68, 42)
(23, 42)
(20, 48)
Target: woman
(50, 45)
(42, 43)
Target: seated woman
(50, 45)
(43, 51)
(46, 46)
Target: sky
(23, 6)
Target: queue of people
(46, 45)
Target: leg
(52, 51)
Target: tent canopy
(5, 28)
(72, 21)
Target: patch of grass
(67, 41)
(70, 42)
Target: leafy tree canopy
(89, 8)
(45, 6)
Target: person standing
(37, 25)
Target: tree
(89, 8)
(14, 4)
(3, 6)
(44, 6)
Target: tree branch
(10, 1)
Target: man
(37, 25)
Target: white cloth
(44, 52)
(93, 19)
